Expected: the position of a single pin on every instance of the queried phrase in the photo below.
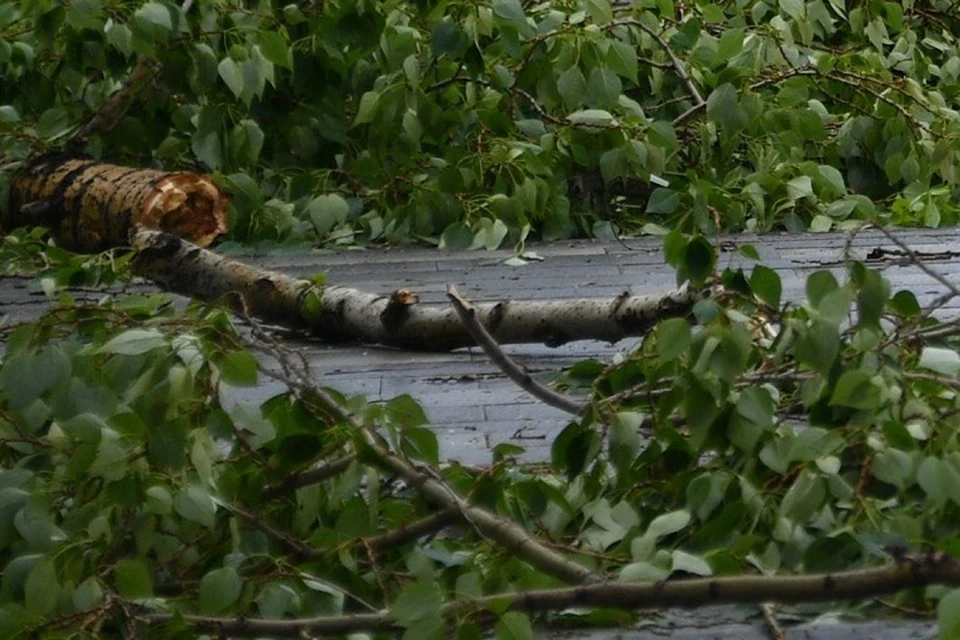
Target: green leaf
(833, 176)
(232, 75)
(421, 444)
(29, 375)
(855, 389)
(327, 212)
(948, 615)
(730, 44)
(134, 342)
(876, 32)
(800, 187)
(699, 259)
(819, 284)
(604, 87)
(411, 69)
(120, 38)
(457, 237)
(572, 87)
(131, 578)
(663, 200)
(219, 589)
(159, 500)
(765, 284)
(894, 467)
(673, 338)
(817, 346)
(591, 117)
(624, 436)
(689, 563)
(411, 127)
(611, 166)
(416, 602)
(723, 107)
(668, 523)
(943, 361)
(938, 480)
(276, 600)
(793, 8)
(600, 11)
(276, 49)
(511, 11)
(8, 114)
(196, 505)
(88, 595)
(514, 625)
(52, 123)
(622, 59)
(155, 14)
(42, 589)
(208, 149)
(821, 224)
(369, 102)
(804, 498)
(239, 368)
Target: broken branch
(511, 369)
(340, 313)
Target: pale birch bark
(339, 313)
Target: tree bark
(91, 206)
(339, 313)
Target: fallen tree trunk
(91, 206)
(338, 313)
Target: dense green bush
(467, 121)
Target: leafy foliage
(133, 483)
(466, 123)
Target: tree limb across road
(340, 313)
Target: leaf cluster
(468, 124)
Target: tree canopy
(471, 123)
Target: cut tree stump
(91, 206)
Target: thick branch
(846, 585)
(504, 532)
(340, 313)
(434, 489)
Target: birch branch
(340, 313)
(505, 363)
(843, 585)
(435, 490)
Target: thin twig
(312, 476)
(109, 114)
(770, 617)
(504, 362)
(674, 60)
(301, 550)
(915, 259)
(417, 529)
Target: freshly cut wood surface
(91, 206)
